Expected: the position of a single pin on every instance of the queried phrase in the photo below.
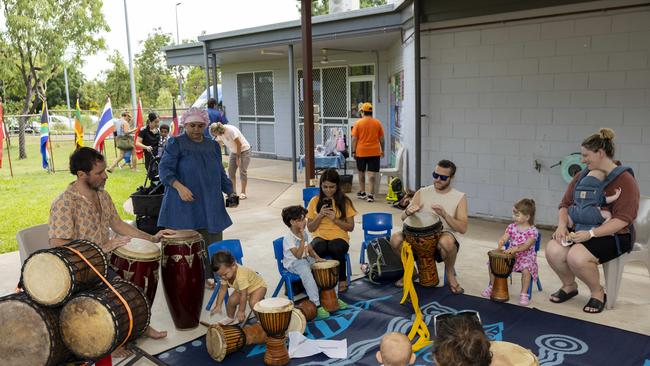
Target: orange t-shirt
(368, 132)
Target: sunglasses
(440, 319)
(440, 176)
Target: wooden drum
(222, 340)
(326, 275)
(29, 334)
(95, 323)
(183, 276)
(512, 354)
(298, 322)
(51, 276)
(308, 309)
(274, 315)
(424, 240)
(501, 264)
(138, 262)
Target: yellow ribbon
(419, 326)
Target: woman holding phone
(330, 217)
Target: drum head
(139, 249)
(24, 335)
(329, 263)
(513, 353)
(273, 305)
(46, 278)
(298, 322)
(87, 327)
(216, 342)
(499, 253)
(422, 219)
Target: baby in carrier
(589, 202)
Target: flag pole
(50, 139)
(6, 135)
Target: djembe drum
(222, 340)
(423, 234)
(95, 323)
(274, 315)
(51, 276)
(29, 334)
(326, 275)
(513, 353)
(308, 308)
(183, 276)
(298, 322)
(501, 264)
(138, 262)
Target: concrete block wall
(499, 98)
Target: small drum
(501, 265)
(51, 276)
(183, 276)
(274, 315)
(326, 275)
(138, 262)
(95, 323)
(29, 334)
(298, 322)
(308, 309)
(424, 240)
(222, 340)
(512, 354)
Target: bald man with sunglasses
(439, 200)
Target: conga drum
(29, 334)
(274, 315)
(423, 234)
(298, 322)
(326, 275)
(138, 262)
(183, 276)
(513, 354)
(308, 308)
(95, 323)
(222, 340)
(51, 276)
(501, 264)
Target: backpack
(383, 263)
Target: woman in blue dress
(195, 180)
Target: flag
(139, 123)
(174, 129)
(105, 127)
(78, 128)
(45, 135)
(2, 131)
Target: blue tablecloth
(324, 162)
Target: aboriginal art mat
(375, 310)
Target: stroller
(147, 200)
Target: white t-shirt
(230, 135)
(289, 242)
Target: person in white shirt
(240, 153)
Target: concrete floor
(257, 222)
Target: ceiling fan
(325, 58)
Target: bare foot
(121, 353)
(155, 334)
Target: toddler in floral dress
(522, 236)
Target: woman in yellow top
(330, 217)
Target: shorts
(604, 248)
(369, 163)
(438, 254)
(245, 160)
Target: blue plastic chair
(539, 282)
(375, 225)
(308, 193)
(286, 277)
(230, 245)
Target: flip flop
(595, 304)
(562, 296)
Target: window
(256, 110)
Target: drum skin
(183, 277)
(139, 264)
(222, 340)
(326, 275)
(424, 242)
(512, 353)
(501, 265)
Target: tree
(117, 83)
(56, 87)
(38, 34)
(322, 7)
(164, 100)
(195, 84)
(154, 73)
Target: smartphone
(327, 202)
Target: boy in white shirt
(299, 254)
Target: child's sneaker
(487, 292)
(361, 195)
(321, 313)
(370, 198)
(342, 304)
(523, 299)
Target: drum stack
(66, 311)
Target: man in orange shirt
(367, 149)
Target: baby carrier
(589, 196)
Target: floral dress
(528, 258)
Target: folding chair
(230, 245)
(308, 193)
(539, 282)
(375, 225)
(286, 277)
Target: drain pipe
(418, 95)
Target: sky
(194, 16)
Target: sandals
(487, 292)
(562, 296)
(523, 299)
(595, 304)
(242, 196)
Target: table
(324, 162)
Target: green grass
(25, 199)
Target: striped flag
(139, 123)
(2, 131)
(174, 128)
(45, 135)
(105, 127)
(78, 128)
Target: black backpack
(383, 263)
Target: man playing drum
(85, 211)
(440, 199)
